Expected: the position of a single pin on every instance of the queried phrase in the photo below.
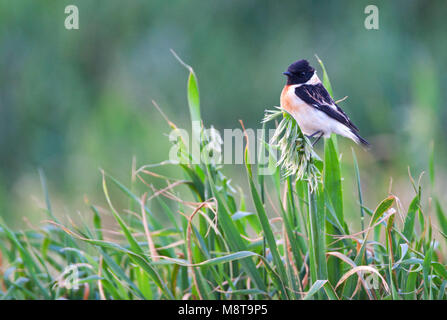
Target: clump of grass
(297, 154)
(294, 244)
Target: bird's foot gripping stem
(319, 133)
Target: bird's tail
(358, 139)
(352, 134)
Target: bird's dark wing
(318, 97)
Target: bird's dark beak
(287, 73)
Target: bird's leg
(313, 134)
(318, 138)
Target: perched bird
(308, 101)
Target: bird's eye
(302, 74)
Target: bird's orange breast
(288, 99)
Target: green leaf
(326, 81)
(130, 238)
(232, 236)
(31, 267)
(410, 218)
(390, 251)
(427, 272)
(442, 218)
(334, 194)
(439, 269)
(359, 189)
(431, 164)
(314, 289)
(410, 287)
(316, 232)
(271, 241)
(332, 178)
(193, 91)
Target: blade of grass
(232, 236)
(359, 189)
(262, 215)
(316, 231)
(333, 190)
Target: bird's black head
(299, 72)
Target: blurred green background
(72, 101)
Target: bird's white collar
(314, 79)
